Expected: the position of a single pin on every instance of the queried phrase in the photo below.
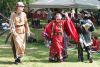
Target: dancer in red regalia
(54, 31)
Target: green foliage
(6, 6)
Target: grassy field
(37, 55)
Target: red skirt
(57, 46)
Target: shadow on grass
(5, 52)
(6, 62)
(42, 54)
(43, 61)
(39, 54)
(47, 61)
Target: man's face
(58, 19)
(20, 8)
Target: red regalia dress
(54, 32)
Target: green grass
(37, 55)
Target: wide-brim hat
(20, 4)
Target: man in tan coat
(19, 28)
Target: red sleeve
(48, 30)
(71, 30)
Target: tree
(7, 6)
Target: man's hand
(28, 34)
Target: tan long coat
(18, 38)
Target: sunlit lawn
(37, 55)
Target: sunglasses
(20, 6)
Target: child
(95, 45)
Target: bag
(31, 39)
(91, 28)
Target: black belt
(19, 25)
(57, 33)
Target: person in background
(85, 40)
(5, 25)
(95, 45)
(19, 27)
(49, 16)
